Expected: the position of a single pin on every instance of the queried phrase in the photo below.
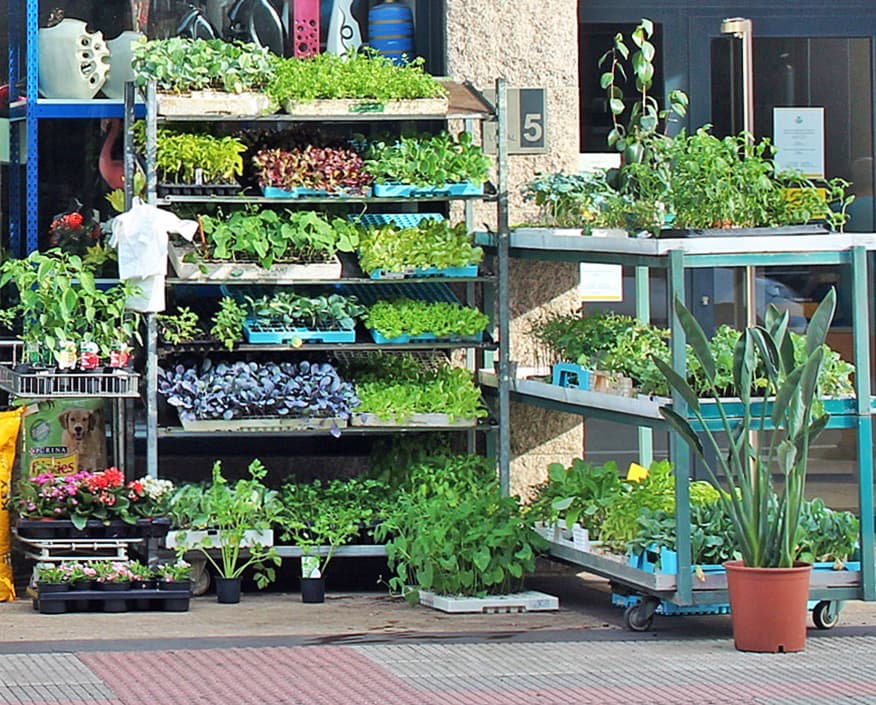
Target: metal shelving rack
(25, 114)
(467, 106)
(676, 256)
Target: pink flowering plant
(82, 572)
(102, 496)
(54, 574)
(113, 572)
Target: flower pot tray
(24, 381)
(73, 600)
(364, 106)
(530, 601)
(396, 190)
(417, 420)
(271, 333)
(192, 538)
(301, 192)
(209, 102)
(216, 270)
(217, 190)
(37, 529)
(266, 423)
(426, 338)
(467, 271)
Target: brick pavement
(581, 669)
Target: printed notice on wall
(799, 140)
(601, 282)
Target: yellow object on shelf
(636, 473)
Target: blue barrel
(391, 31)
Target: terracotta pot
(768, 606)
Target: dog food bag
(63, 436)
(10, 423)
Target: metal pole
(151, 318)
(504, 306)
(643, 313)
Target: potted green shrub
(198, 76)
(359, 82)
(229, 510)
(768, 590)
(425, 165)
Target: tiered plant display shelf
(464, 104)
(676, 255)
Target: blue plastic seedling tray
(396, 190)
(268, 333)
(301, 192)
(400, 220)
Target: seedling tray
(468, 271)
(396, 190)
(210, 102)
(262, 424)
(365, 106)
(217, 190)
(225, 270)
(270, 333)
(530, 601)
(301, 192)
(426, 338)
(415, 420)
(400, 220)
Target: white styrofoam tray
(529, 601)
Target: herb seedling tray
(397, 190)
(365, 419)
(264, 423)
(216, 270)
(366, 106)
(426, 338)
(467, 271)
(302, 192)
(210, 102)
(272, 333)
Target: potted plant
(428, 165)
(768, 590)
(577, 204)
(228, 322)
(430, 248)
(358, 82)
(180, 327)
(199, 76)
(317, 525)
(175, 578)
(51, 579)
(113, 576)
(311, 171)
(231, 510)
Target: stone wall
(531, 44)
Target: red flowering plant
(72, 233)
(103, 496)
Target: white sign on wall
(601, 282)
(799, 140)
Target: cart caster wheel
(826, 614)
(635, 619)
(201, 578)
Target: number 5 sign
(527, 125)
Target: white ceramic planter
(73, 61)
(121, 51)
